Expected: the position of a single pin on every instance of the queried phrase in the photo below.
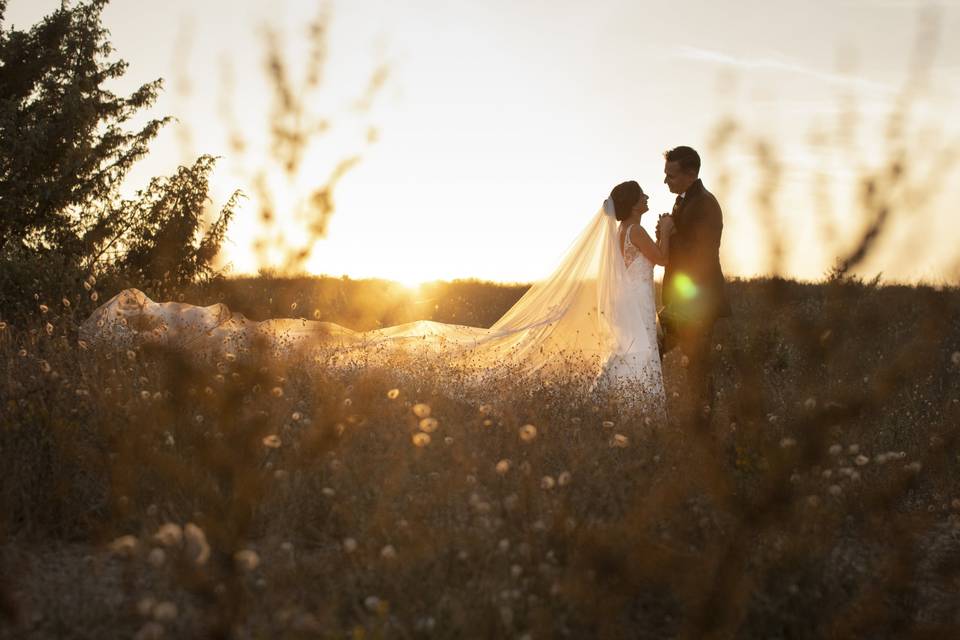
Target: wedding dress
(593, 319)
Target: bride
(594, 318)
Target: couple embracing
(688, 246)
(594, 319)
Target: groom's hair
(625, 195)
(686, 157)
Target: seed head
(421, 439)
(528, 433)
(246, 559)
(272, 442)
(421, 410)
(429, 425)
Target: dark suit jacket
(693, 285)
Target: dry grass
(824, 501)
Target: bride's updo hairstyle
(625, 196)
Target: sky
(502, 125)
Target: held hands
(665, 225)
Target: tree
(66, 145)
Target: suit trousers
(695, 341)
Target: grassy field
(145, 496)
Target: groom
(693, 285)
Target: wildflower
(165, 611)
(421, 439)
(277, 392)
(547, 483)
(861, 460)
(388, 552)
(620, 441)
(156, 558)
(293, 307)
(955, 358)
(22, 353)
(607, 424)
(503, 467)
(393, 394)
(3, 326)
(44, 308)
(316, 314)
(528, 433)
(131, 354)
(835, 490)
(45, 366)
(516, 571)
(169, 534)
(835, 449)
(49, 329)
(488, 422)
(448, 440)
(94, 296)
(813, 501)
(272, 441)
(719, 347)
(66, 303)
(197, 547)
(349, 545)
(810, 403)
(786, 443)
(684, 361)
(421, 410)
(913, 467)
(485, 409)
(504, 545)
(880, 458)
(328, 492)
(246, 559)
(296, 416)
(853, 449)
(429, 425)
(82, 344)
(145, 395)
(280, 474)
(124, 546)
(564, 479)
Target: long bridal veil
(582, 318)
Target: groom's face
(676, 179)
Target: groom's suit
(694, 294)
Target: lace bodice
(638, 266)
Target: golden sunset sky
(503, 124)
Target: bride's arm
(655, 253)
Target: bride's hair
(625, 195)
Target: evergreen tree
(66, 145)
